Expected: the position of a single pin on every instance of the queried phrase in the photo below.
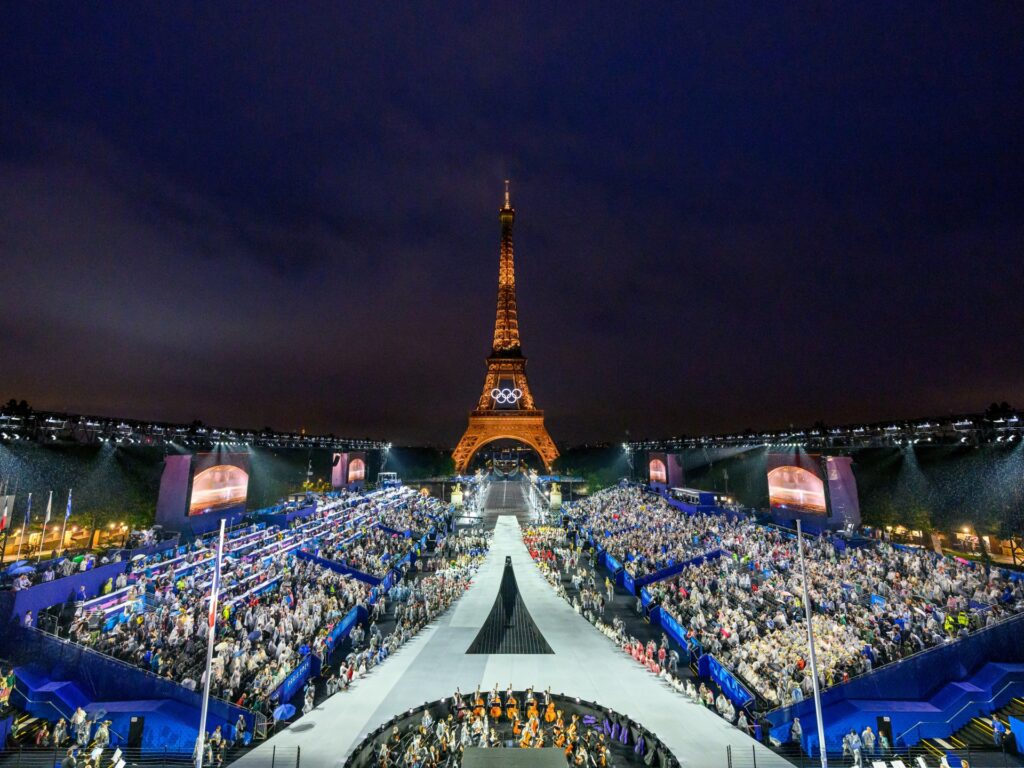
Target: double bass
(494, 704)
(512, 708)
(549, 713)
(531, 705)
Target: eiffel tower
(506, 410)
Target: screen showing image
(795, 484)
(842, 490)
(356, 470)
(220, 482)
(657, 471)
(339, 463)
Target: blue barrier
(645, 597)
(394, 531)
(338, 567)
(101, 678)
(629, 582)
(307, 668)
(282, 519)
(150, 549)
(672, 628)
(388, 582)
(914, 679)
(5, 728)
(672, 570)
(734, 690)
(614, 567)
(48, 593)
(342, 629)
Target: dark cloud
(288, 217)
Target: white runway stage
(585, 664)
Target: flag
(49, 506)
(3, 520)
(67, 514)
(28, 510)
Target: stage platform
(584, 663)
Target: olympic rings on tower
(506, 396)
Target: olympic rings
(506, 396)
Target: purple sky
(287, 215)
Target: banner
(734, 690)
(344, 627)
(308, 667)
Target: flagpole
(21, 538)
(8, 513)
(211, 639)
(42, 536)
(64, 525)
(810, 643)
(7, 529)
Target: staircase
(24, 728)
(976, 734)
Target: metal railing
(973, 703)
(127, 664)
(118, 738)
(47, 757)
(917, 654)
(916, 757)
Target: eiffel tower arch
(506, 408)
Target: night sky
(286, 214)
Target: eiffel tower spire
(506, 323)
(505, 410)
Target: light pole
(810, 645)
(212, 623)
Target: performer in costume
(459, 704)
(559, 730)
(526, 740)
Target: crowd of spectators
(260, 639)
(557, 556)
(415, 603)
(417, 514)
(374, 552)
(643, 532)
(275, 607)
(871, 606)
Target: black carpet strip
(509, 628)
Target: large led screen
(339, 469)
(844, 503)
(356, 470)
(220, 482)
(656, 471)
(795, 484)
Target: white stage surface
(585, 663)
